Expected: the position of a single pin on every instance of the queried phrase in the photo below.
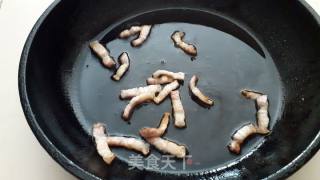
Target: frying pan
(272, 46)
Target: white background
(21, 156)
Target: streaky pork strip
(103, 54)
(197, 93)
(129, 143)
(100, 137)
(262, 109)
(249, 94)
(166, 91)
(130, 93)
(160, 80)
(134, 102)
(178, 111)
(124, 60)
(240, 136)
(166, 146)
(144, 33)
(130, 32)
(262, 114)
(148, 132)
(177, 76)
(177, 38)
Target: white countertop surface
(21, 155)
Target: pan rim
(42, 138)
(79, 172)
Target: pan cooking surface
(225, 64)
(64, 89)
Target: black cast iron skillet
(268, 45)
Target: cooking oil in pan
(225, 65)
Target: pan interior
(227, 62)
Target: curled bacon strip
(130, 93)
(129, 143)
(130, 32)
(134, 102)
(100, 137)
(262, 107)
(153, 136)
(177, 76)
(240, 136)
(124, 60)
(262, 121)
(262, 114)
(148, 132)
(253, 95)
(160, 80)
(166, 91)
(103, 54)
(177, 38)
(197, 93)
(178, 111)
(167, 146)
(144, 33)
